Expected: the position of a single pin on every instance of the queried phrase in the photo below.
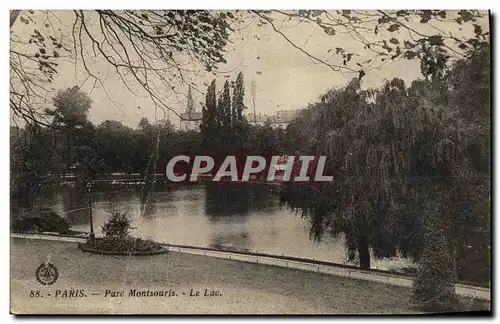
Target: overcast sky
(285, 78)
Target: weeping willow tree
(394, 150)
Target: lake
(243, 218)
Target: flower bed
(122, 246)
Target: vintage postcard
(331, 162)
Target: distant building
(279, 124)
(288, 114)
(259, 123)
(257, 119)
(281, 120)
(190, 120)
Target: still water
(208, 216)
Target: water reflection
(224, 201)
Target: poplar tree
(226, 105)
(238, 95)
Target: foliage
(71, 145)
(147, 48)
(123, 245)
(299, 132)
(224, 128)
(226, 107)
(72, 134)
(117, 237)
(29, 164)
(160, 42)
(42, 154)
(434, 286)
(390, 147)
(117, 227)
(386, 144)
(238, 97)
(388, 35)
(71, 108)
(43, 221)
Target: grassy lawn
(244, 288)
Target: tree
(223, 126)
(388, 36)
(467, 197)
(88, 163)
(434, 286)
(210, 120)
(69, 118)
(116, 145)
(30, 164)
(142, 46)
(152, 46)
(240, 127)
(211, 105)
(299, 132)
(150, 144)
(384, 143)
(71, 108)
(226, 106)
(144, 124)
(238, 96)
(220, 112)
(389, 147)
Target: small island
(117, 240)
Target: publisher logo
(46, 274)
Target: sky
(285, 78)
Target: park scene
(330, 162)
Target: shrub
(117, 238)
(54, 223)
(117, 227)
(45, 221)
(124, 245)
(26, 224)
(434, 286)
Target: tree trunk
(364, 253)
(68, 153)
(454, 265)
